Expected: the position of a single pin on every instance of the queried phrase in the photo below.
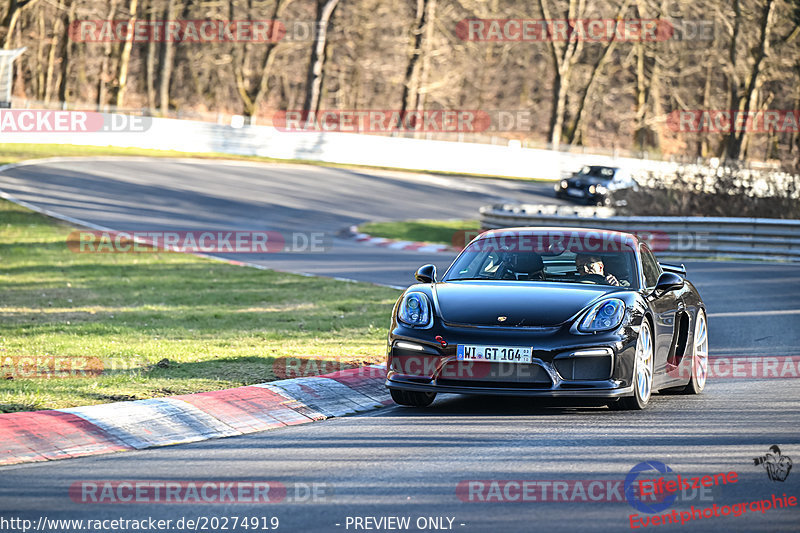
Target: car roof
(601, 166)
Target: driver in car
(591, 265)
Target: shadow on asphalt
(458, 405)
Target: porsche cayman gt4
(549, 312)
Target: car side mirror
(426, 274)
(668, 281)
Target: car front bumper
(560, 365)
(609, 389)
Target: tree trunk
(125, 56)
(102, 81)
(575, 134)
(426, 10)
(564, 58)
(704, 149)
(66, 54)
(166, 60)
(754, 82)
(51, 56)
(252, 98)
(316, 63)
(150, 66)
(12, 17)
(38, 73)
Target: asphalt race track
(407, 462)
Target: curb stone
(135, 425)
(415, 246)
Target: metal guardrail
(688, 237)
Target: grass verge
(161, 324)
(433, 231)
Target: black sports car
(593, 183)
(549, 312)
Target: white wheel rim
(644, 360)
(700, 362)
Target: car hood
(523, 303)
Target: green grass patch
(433, 231)
(217, 325)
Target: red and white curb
(135, 425)
(392, 244)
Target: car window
(650, 267)
(515, 260)
(599, 172)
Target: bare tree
(9, 22)
(166, 59)
(121, 81)
(564, 56)
(253, 88)
(425, 14)
(66, 52)
(104, 77)
(747, 101)
(316, 64)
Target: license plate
(494, 354)
(575, 192)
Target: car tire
(412, 398)
(642, 373)
(699, 356)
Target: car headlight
(564, 184)
(607, 314)
(415, 310)
(601, 189)
(592, 189)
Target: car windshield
(593, 258)
(598, 172)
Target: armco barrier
(739, 238)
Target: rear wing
(675, 269)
